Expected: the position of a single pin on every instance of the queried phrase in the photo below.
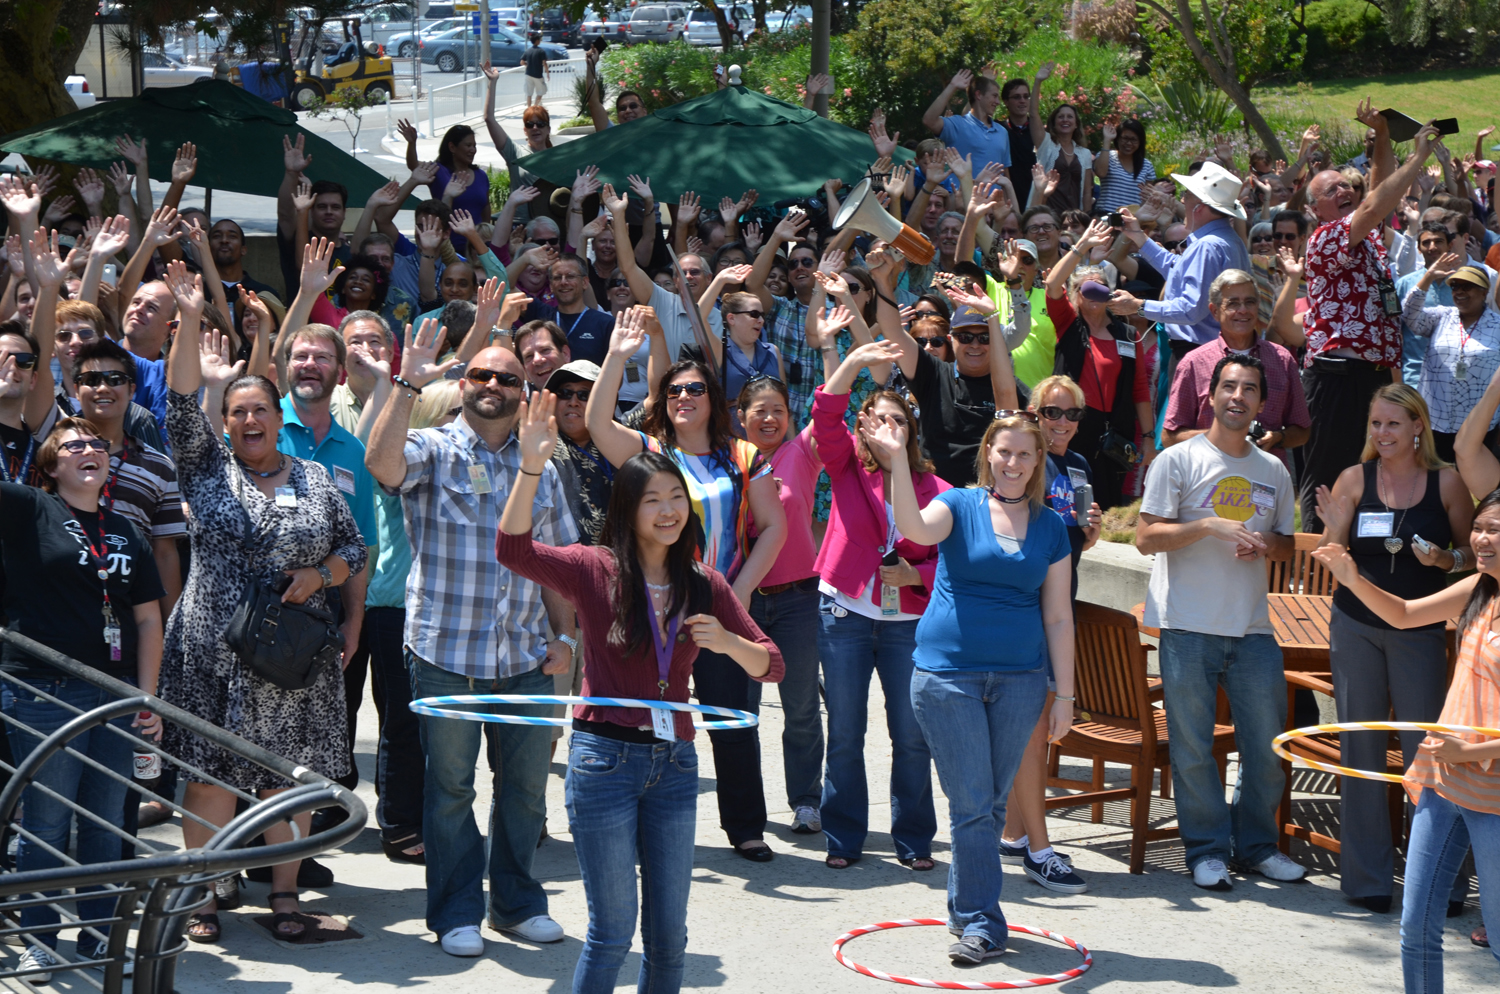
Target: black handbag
(1114, 447)
(286, 644)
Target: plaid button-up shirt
(465, 612)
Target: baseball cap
(966, 315)
(573, 372)
(1029, 247)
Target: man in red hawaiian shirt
(1353, 328)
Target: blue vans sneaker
(1015, 855)
(1053, 874)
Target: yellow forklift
(356, 64)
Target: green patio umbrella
(238, 137)
(718, 145)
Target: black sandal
(208, 923)
(280, 918)
(913, 863)
(840, 862)
(396, 851)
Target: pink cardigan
(857, 524)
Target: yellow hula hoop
(1278, 744)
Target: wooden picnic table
(1300, 622)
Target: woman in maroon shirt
(632, 784)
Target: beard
(309, 391)
(488, 407)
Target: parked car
(447, 51)
(701, 29)
(656, 22)
(78, 89)
(405, 44)
(555, 25)
(514, 18)
(161, 70)
(788, 20)
(382, 23)
(610, 27)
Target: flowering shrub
(1094, 77)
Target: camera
(1115, 219)
(1257, 431)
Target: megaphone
(864, 212)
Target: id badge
(632, 372)
(662, 725)
(344, 479)
(112, 636)
(1376, 524)
(480, 477)
(1390, 301)
(286, 497)
(1126, 349)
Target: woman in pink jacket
(874, 586)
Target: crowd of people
(500, 455)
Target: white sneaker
(1278, 866)
(538, 929)
(463, 941)
(1212, 874)
(807, 820)
(100, 950)
(34, 958)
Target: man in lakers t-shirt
(1215, 508)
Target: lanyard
(99, 556)
(106, 497)
(574, 327)
(25, 463)
(663, 648)
(604, 465)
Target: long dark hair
(1486, 589)
(452, 137)
(658, 425)
(1139, 159)
(631, 629)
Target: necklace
(280, 465)
(1006, 500)
(1395, 543)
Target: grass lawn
(1472, 96)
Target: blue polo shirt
(985, 142)
(342, 455)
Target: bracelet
(526, 473)
(1459, 561)
(402, 381)
(1070, 700)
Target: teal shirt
(342, 455)
(388, 585)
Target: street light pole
(821, 28)
(484, 31)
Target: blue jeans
(852, 649)
(977, 725)
(398, 759)
(790, 619)
(627, 803)
(1441, 832)
(1193, 666)
(455, 849)
(48, 817)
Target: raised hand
(490, 72)
(91, 190)
(20, 199)
(694, 245)
(874, 353)
(257, 317)
(1050, 181)
(596, 227)
(386, 196)
(896, 182)
(882, 437)
(429, 234)
(1338, 561)
(1110, 132)
(462, 223)
(292, 155)
(186, 163)
(1366, 114)
(302, 200)
(524, 194)
(980, 203)
(961, 79)
(46, 258)
(752, 237)
(45, 179)
(736, 274)
(458, 183)
(542, 257)
(407, 131)
(885, 145)
(419, 365)
(1485, 132)
(584, 183)
(641, 187)
(1309, 138)
(613, 202)
(728, 211)
(360, 357)
(1446, 265)
(487, 303)
(514, 304)
(819, 82)
(215, 362)
(790, 227)
(1096, 234)
(187, 289)
(832, 284)
(687, 207)
(1291, 266)
(316, 276)
(425, 174)
(15, 260)
(159, 230)
(131, 152)
(1009, 262)
(629, 334)
(120, 178)
(973, 298)
(961, 166)
(832, 261)
(990, 174)
(835, 321)
(536, 430)
(59, 208)
(1045, 72)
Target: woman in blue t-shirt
(1000, 608)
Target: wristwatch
(325, 573)
(569, 641)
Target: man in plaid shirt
(473, 627)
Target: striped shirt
(143, 488)
(1473, 700)
(716, 489)
(466, 613)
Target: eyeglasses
(757, 315)
(935, 342)
(1074, 414)
(24, 360)
(1001, 415)
(582, 396)
(969, 337)
(78, 445)
(697, 388)
(691, 272)
(478, 374)
(1173, 246)
(1037, 229)
(98, 377)
(807, 262)
(612, 284)
(82, 334)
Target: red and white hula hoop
(959, 985)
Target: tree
(1233, 44)
(1475, 23)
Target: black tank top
(1409, 579)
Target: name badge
(344, 479)
(662, 725)
(480, 477)
(1126, 349)
(1263, 496)
(286, 497)
(632, 372)
(1376, 524)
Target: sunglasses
(935, 342)
(926, 314)
(101, 377)
(538, 125)
(1001, 415)
(582, 396)
(612, 284)
(968, 337)
(805, 262)
(1282, 236)
(855, 287)
(757, 315)
(482, 375)
(1074, 414)
(24, 360)
(692, 272)
(1172, 246)
(546, 241)
(697, 388)
(83, 335)
(79, 445)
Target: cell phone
(1083, 499)
(1116, 219)
(111, 274)
(890, 559)
(599, 44)
(1422, 545)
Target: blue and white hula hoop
(441, 707)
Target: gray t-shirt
(1203, 587)
(675, 323)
